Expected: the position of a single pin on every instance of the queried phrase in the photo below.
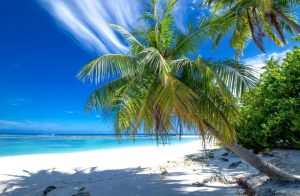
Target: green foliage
(271, 110)
(296, 38)
(251, 20)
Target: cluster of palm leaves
(254, 19)
(156, 87)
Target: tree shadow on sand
(125, 182)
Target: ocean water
(12, 145)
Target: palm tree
(156, 88)
(254, 19)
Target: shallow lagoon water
(11, 145)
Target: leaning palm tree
(254, 19)
(156, 88)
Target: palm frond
(185, 42)
(166, 28)
(136, 46)
(106, 96)
(155, 61)
(107, 67)
(237, 77)
(268, 29)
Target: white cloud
(88, 21)
(26, 125)
(259, 60)
(69, 112)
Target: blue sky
(44, 43)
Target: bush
(271, 110)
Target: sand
(181, 169)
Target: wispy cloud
(259, 60)
(54, 127)
(26, 125)
(88, 21)
(185, 9)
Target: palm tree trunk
(283, 17)
(256, 162)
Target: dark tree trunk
(283, 17)
(256, 162)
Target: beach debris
(163, 171)
(219, 177)
(234, 164)
(49, 189)
(265, 152)
(197, 183)
(225, 154)
(187, 162)
(25, 171)
(224, 159)
(82, 194)
(211, 155)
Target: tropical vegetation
(158, 88)
(271, 110)
(253, 20)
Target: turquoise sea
(11, 145)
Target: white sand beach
(179, 169)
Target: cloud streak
(26, 125)
(88, 21)
(183, 11)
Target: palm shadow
(125, 182)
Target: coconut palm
(157, 89)
(254, 19)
